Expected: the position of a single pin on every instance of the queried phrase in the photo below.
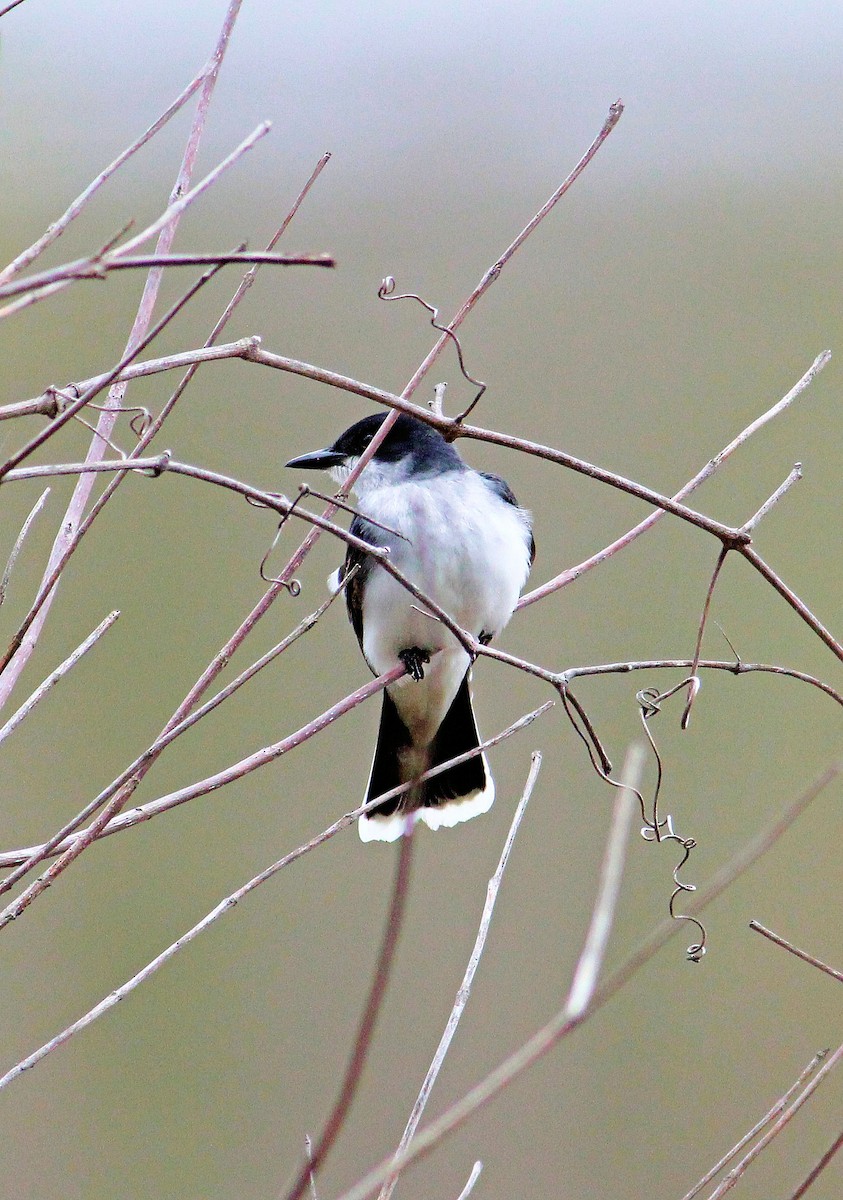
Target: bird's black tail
(455, 795)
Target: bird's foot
(414, 659)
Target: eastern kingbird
(468, 546)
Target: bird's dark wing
(501, 488)
(356, 586)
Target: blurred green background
(682, 287)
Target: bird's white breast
(468, 550)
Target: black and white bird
(468, 546)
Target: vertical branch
(611, 872)
(354, 1070)
(468, 978)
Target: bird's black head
(420, 447)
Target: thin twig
(114, 997)
(451, 429)
(573, 573)
(782, 490)
(19, 541)
(59, 561)
(23, 643)
(779, 1107)
(97, 266)
(308, 1146)
(260, 758)
(590, 961)
(561, 1025)
(67, 538)
(45, 404)
(803, 954)
(787, 594)
(160, 225)
(58, 227)
(734, 667)
(472, 1179)
(464, 989)
(153, 808)
(820, 1166)
(57, 841)
(695, 662)
(785, 1118)
(54, 676)
(354, 1070)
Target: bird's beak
(319, 460)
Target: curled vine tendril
(658, 829)
(386, 291)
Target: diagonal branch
(114, 997)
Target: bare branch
(785, 1118)
(164, 224)
(24, 640)
(152, 808)
(58, 843)
(798, 606)
(245, 766)
(464, 989)
(114, 997)
(472, 1179)
(59, 560)
(57, 228)
(614, 115)
(611, 872)
(820, 1166)
(573, 573)
(67, 538)
(782, 490)
(394, 922)
(97, 266)
(561, 1024)
(19, 541)
(803, 954)
(54, 676)
(694, 688)
(706, 664)
(777, 1108)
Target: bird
(461, 537)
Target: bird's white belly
(466, 549)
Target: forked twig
(573, 573)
